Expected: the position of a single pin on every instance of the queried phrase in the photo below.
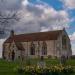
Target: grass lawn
(7, 68)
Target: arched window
(32, 49)
(13, 55)
(64, 42)
(44, 48)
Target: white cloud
(1, 44)
(43, 29)
(73, 48)
(25, 2)
(72, 37)
(9, 4)
(35, 17)
(69, 3)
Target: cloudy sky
(38, 15)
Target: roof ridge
(39, 36)
(37, 32)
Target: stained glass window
(44, 48)
(32, 49)
(64, 41)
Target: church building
(53, 44)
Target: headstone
(63, 59)
(41, 64)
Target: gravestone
(41, 63)
(63, 59)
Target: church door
(13, 55)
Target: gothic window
(44, 48)
(32, 49)
(13, 55)
(64, 41)
(38, 48)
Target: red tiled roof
(40, 36)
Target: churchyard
(22, 68)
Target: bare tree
(6, 21)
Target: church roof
(39, 36)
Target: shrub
(52, 70)
(68, 70)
